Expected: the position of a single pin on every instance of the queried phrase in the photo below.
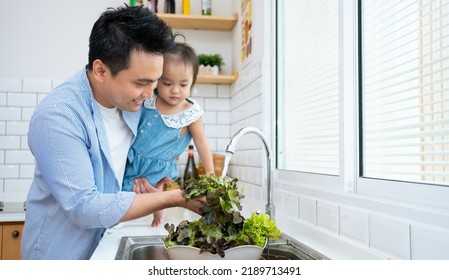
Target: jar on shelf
(152, 5)
(186, 7)
(169, 7)
(206, 7)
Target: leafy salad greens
(221, 225)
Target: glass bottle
(186, 7)
(152, 5)
(190, 171)
(200, 169)
(206, 8)
(169, 7)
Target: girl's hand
(141, 185)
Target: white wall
(47, 38)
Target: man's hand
(141, 185)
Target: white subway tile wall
(327, 216)
(428, 243)
(19, 98)
(397, 242)
(307, 210)
(354, 224)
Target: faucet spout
(230, 150)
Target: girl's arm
(199, 138)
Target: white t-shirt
(119, 138)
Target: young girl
(169, 121)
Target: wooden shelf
(216, 79)
(199, 22)
(221, 23)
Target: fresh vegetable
(221, 226)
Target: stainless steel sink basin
(151, 248)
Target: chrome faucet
(230, 150)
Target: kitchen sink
(152, 248)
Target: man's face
(130, 87)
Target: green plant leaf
(221, 226)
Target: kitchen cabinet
(199, 22)
(10, 236)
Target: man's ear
(99, 70)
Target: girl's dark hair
(120, 31)
(183, 53)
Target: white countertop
(13, 207)
(12, 217)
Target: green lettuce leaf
(221, 226)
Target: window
(363, 96)
(308, 91)
(405, 93)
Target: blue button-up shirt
(75, 195)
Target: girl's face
(174, 85)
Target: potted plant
(210, 64)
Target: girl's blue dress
(158, 143)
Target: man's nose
(148, 91)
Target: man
(80, 134)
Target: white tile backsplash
(204, 90)
(3, 98)
(9, 171)
(429, 243)
(27, 113)
(17, 128)
(390, 235)
(19, 99)
(37, 85)
(27, 171)
(9, 142)
(289, 204)
(217, 104)
(354, 224)
(24, 142)
(210, 118)
(40, 96)
(223, 91)
(222, 143)
(327, 216)
(307, 210)
(10, 113)
(217, 131)
(10, 85)
(223, 118)
(19, 157)
(15, 186)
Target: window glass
(405, 90)
(308, 86)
